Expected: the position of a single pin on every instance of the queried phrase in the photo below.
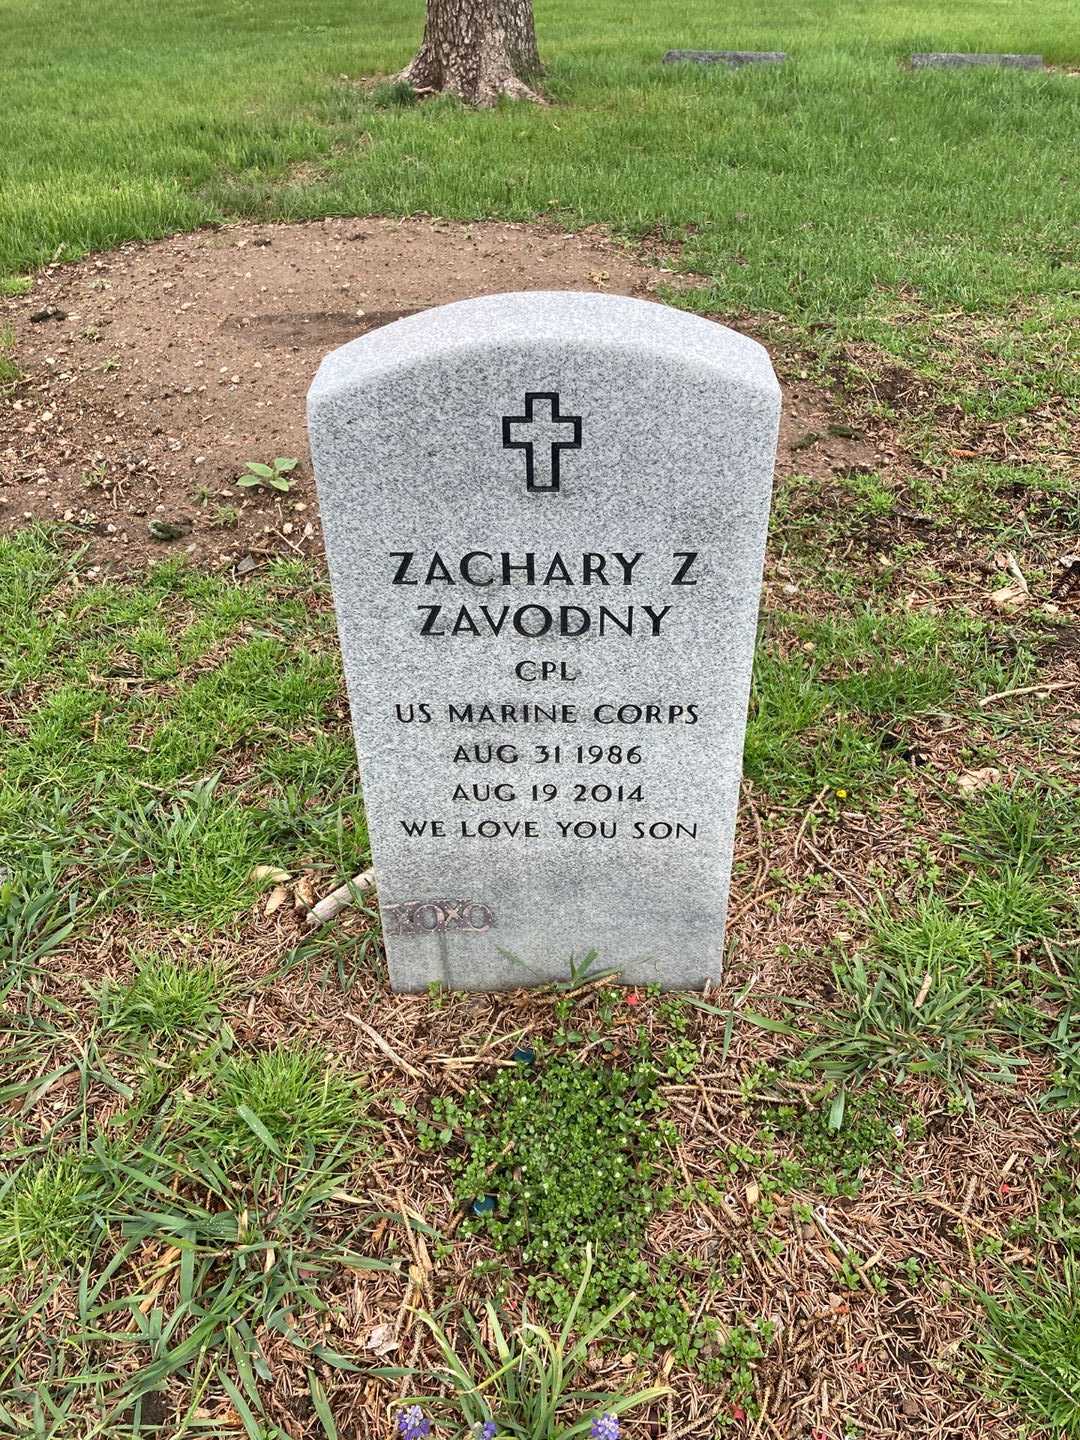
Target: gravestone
(545, 516)
(731, 58)
(956, 60)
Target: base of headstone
(959, 61)
(732, 58)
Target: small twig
(845, 1249)
(331, 906)
(761, 870)
(1046, 686)
(552, 997)
(806, 819)
(969, 1195)
(291, 543)
(816, 853)
(165, 1268)
(762, 1413)
(734, 1094)
(463, 1062)
(1012, 566)
(387, 1050)
(968, 1220)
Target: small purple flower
(413, 1423)
(484, 1430)
(606, 1428)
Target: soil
(153, 374)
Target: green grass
(227, 1253)
(1032, 1349)
(1019, 827)
(275, 1108)
(33, 923)
(988, 496)
(919, 1004)
(1013, 908)
(165, 999)
(176, 1210)
(180, 1216)
(9, 370)
(979, 959)
(50, 1211)
(173, 734)
(831, 697)
(840, 186)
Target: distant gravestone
(545, 516)
(732, 58)
(958, 60)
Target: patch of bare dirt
(153, 374)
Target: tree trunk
(478, 50)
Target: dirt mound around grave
(151, 375)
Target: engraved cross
(543, 436)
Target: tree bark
(478, 50)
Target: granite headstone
(545, 517)
(734, 59)
(960, 60)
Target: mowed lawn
(819, 190)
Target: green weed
(246, 1265)
(225, 517)
(836, 1137)
(274, 476)
(394, 95)
(1056, 1221)
(928, 937)
(1012, 909)
(33, 923)
(1063, 1043)
(549, 1158)
(987, 495)
(200, 850)
(522, 1378)
(1017, 828)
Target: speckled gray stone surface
(725, 57)
(508, 839)
(958, 60)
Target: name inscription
(484, 569)
(621, 809)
